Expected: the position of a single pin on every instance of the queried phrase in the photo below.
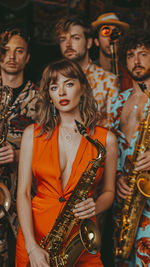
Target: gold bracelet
(31, 250)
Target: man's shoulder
(30, 88)
(31, 85)
(29, 92)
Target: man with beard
(107, 30)
(128, 110)
(14, 55)
(74, 36)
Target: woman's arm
(37, 254)
(89, 208)
(106, 198)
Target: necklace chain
(67, 135)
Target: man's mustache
(137, 67)
(69, 50)
(11, 61)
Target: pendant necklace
(68, 136)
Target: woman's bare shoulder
(28, 132)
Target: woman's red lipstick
(64, 102)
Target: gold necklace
(67, 135)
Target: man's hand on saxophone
(143, 162)
(8, 154)
(122, 189)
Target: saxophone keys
(118, 251)
(65, 258)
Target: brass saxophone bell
(5, 199)
(90, 236)
(143, 184)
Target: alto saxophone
(64, 248)
(129, 212)
(5, 198)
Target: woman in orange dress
(55, 152)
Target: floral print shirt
(20, 115)
(105, 86)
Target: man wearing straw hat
(108, 28)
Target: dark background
(39, 18)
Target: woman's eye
(53, 88)
(70, 84)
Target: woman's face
(65, 94)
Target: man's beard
(139, 77)
(78, 57)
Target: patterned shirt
(105, 86)
(124, 79)
(140, 255)
(20, 115)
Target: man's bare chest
(131, 115)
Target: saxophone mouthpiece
(81, 128)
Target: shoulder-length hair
(44, 106)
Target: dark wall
(41, 55)
(40, 19)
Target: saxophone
(128, 214)
(63, 247)
(5, 198)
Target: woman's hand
(122, 189)
(85, 209)
(38, 257)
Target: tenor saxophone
(129, 212)
(5, 103)
(64, 248)
(5, 198)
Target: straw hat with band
(109, 19)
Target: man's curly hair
(131, 40)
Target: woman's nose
(62, 90)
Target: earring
(53, 109)
(81, 103)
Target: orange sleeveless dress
(46, 205)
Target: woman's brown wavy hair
(44, 109)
